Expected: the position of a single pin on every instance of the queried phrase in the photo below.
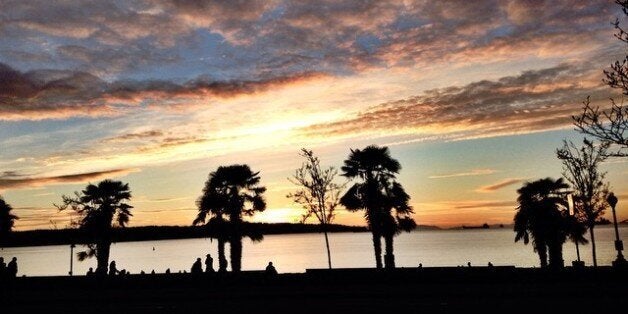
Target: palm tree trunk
(222, 260)
(327, 245)
(591, 226)
(556, 256)
(236, 253)
(377, 246)
(102, 257)
(389, 258)
(541, 249)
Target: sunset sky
(472, 97)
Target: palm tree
(213, 204)
(542, 215)
(101, 207)
(235, 193)
(378, 194)
(394, 224)
(7, 220)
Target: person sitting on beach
(209, 264)
(112, 269)
(90, 272)
(12, 268)
(490, 264)
(3, 268)
(168, 271)
(197, 268)
(468, 264)
(270, 269)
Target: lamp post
(72, 246)
(572, 212)
(619, 245)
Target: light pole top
(612, 199)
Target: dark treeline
(76, 236)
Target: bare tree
(610, 125)
(317, 193)
(581, 169)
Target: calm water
(295, 253)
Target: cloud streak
(9, 182)
(57, 94)
(474, 172)
(498, 186)
(531, 101)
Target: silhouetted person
(197, 267)
(3, 268)
(420, 266)
(12, 268)
(490, 264)
(168, 271)
(469, 264)
(270, 269)
(90, 272)
(152, 272)
(209, 264)
(142, 272)
(112, 268)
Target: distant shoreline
(152, 233)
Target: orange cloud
(474, 172)
(12, 181)
(498, 185)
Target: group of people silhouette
(113, 271)
(8, 270)
(197, 267)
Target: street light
(72, 246)
(572, 212)
(619, 245)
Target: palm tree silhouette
(101, 207)
(543, 216)
(393, 224)
(378, 194)
(232, 192)
(213, 204)
(7, 220)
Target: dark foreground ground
(428, 290)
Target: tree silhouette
(7, 220)
(318, 194)
(543, 215)
(610, 125)
(101, 207)
(232, 192)
(580, 168)
(396, 199)
(378, 194)
(213, 205)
